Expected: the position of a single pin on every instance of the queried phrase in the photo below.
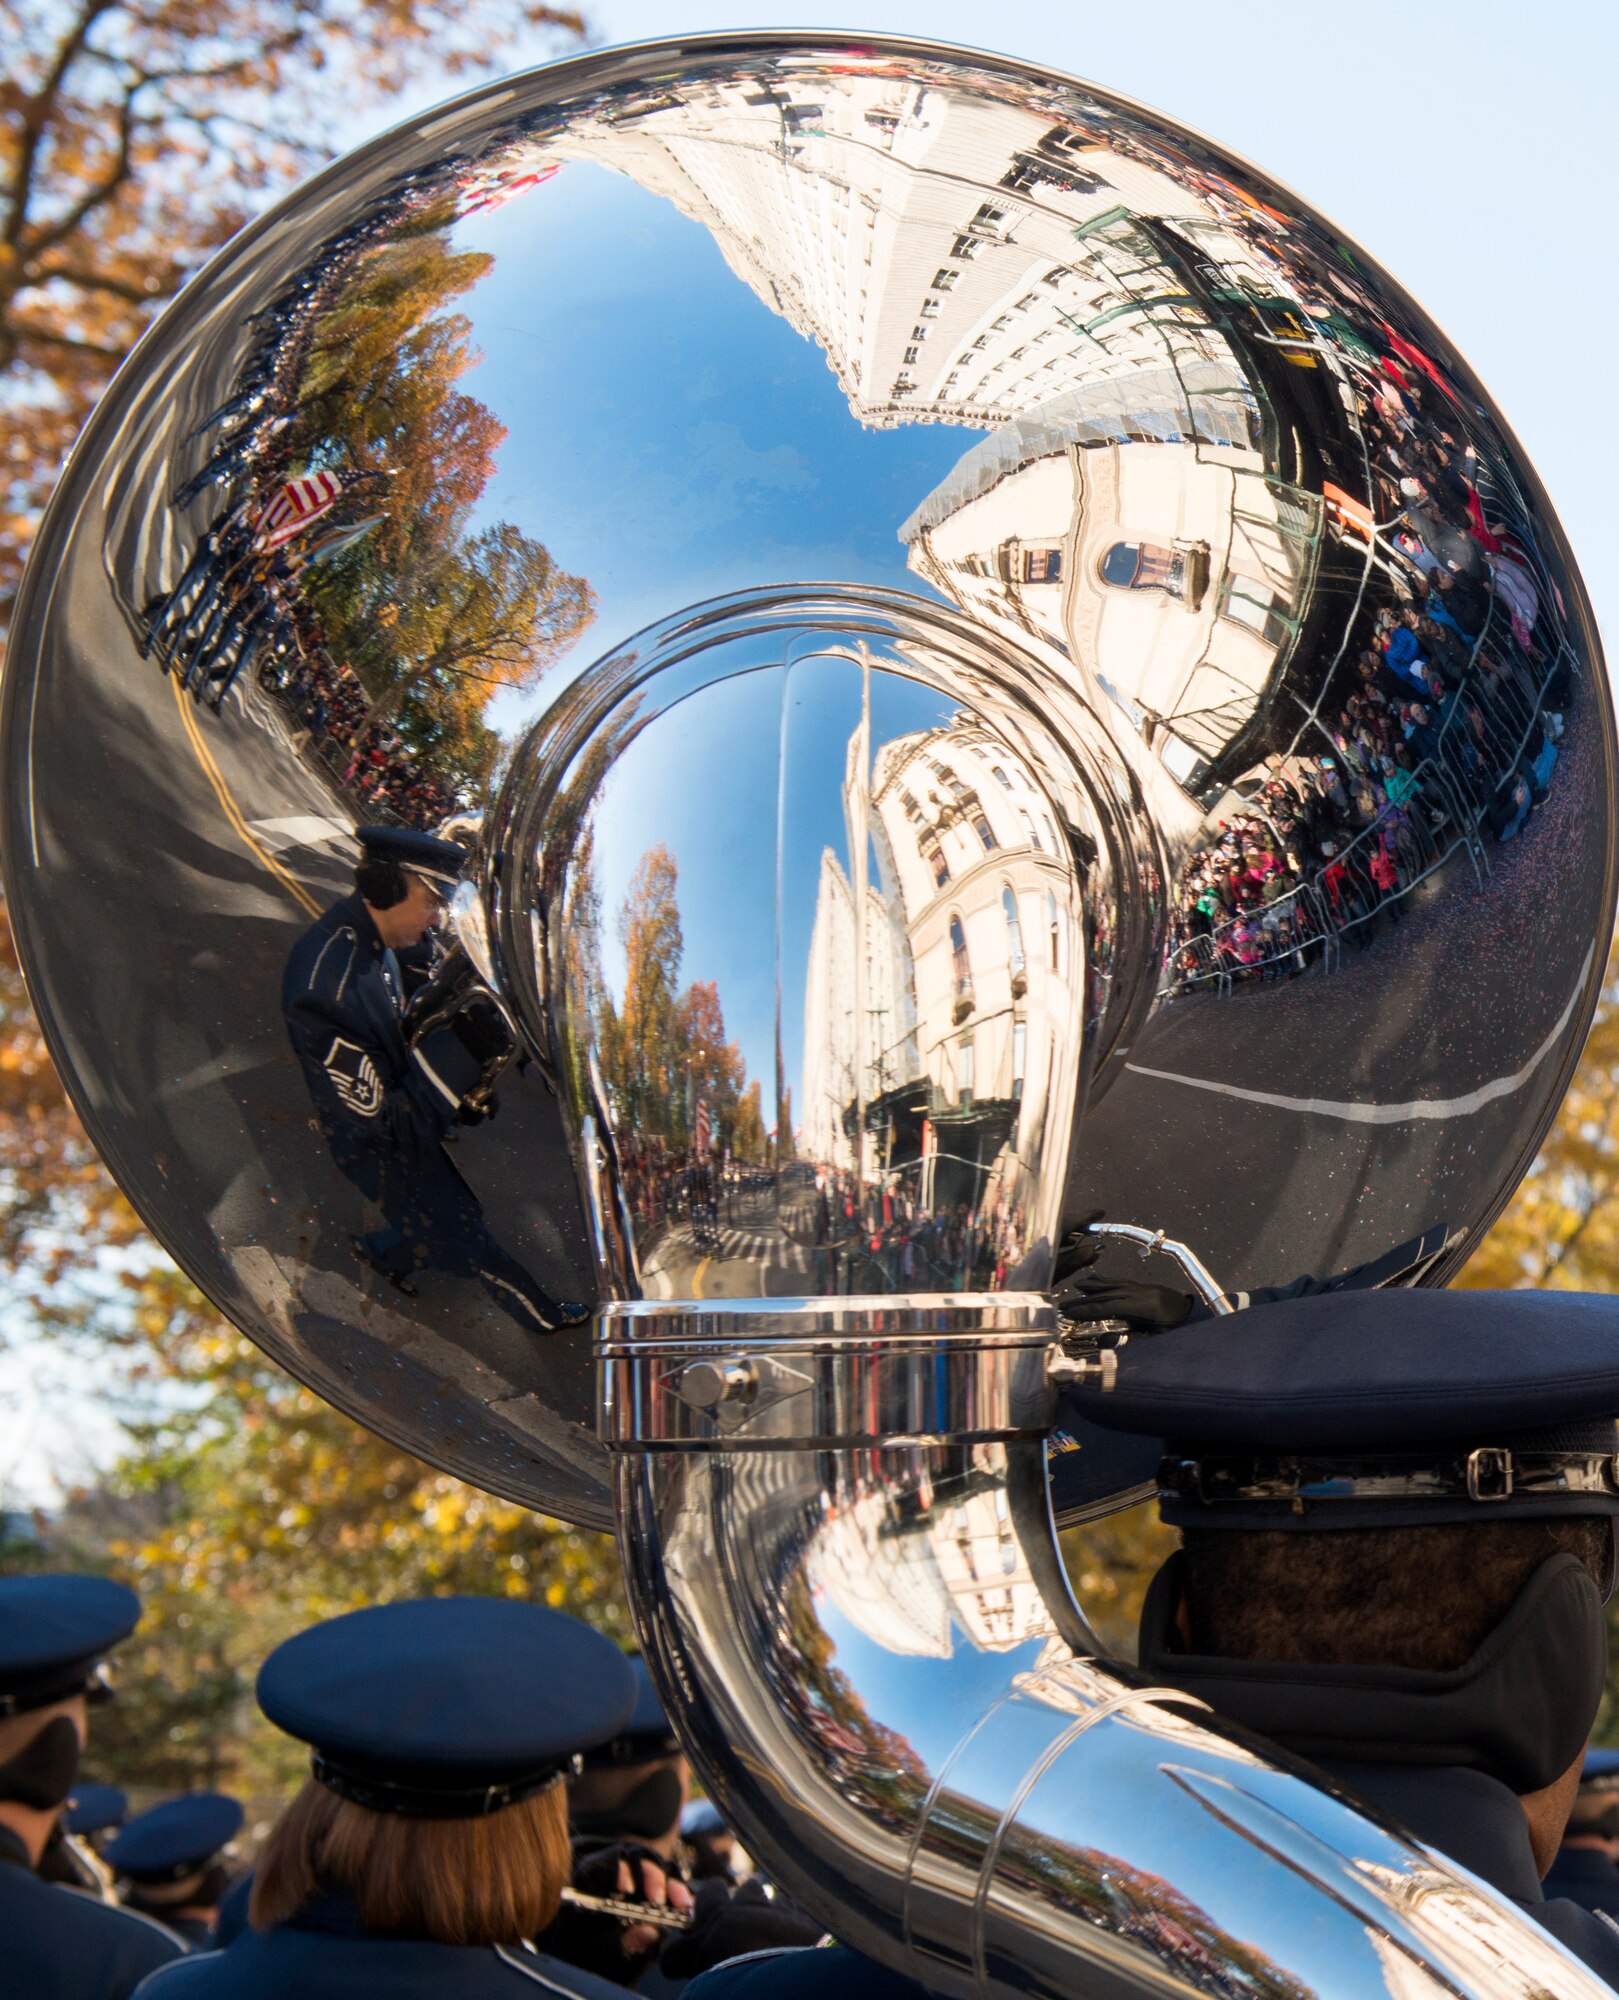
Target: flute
(629, 1911)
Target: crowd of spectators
(368, 758)
(871, 1238)
(1441, 723)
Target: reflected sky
(663, 359)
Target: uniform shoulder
(535, 1973)
(802, 1971)
(198, 1976)
(320, 960)
(125, 1936)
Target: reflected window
(1041, 565)
(1051, 831)
(1253, 605)
(912, 809)
(1014, 929)
(912, 354)
(964, 1072)
(944, 279)
(965, 248)
(930, 308)
(1054, 928)
(934, 857)
(1000, 777)
(984, 831)
(1030, 829)
(1020, 1040)
(949, 780)
(1144, 566)
(961, 971)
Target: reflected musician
(385, 1103)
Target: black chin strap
(1520, 1709)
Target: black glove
(727, 1924)
(594, 1942)
(1078, 1252)
(483, 1032)
(1144, 1308)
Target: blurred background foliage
(134, 138)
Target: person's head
(635, 1785)
(172, 1858)
(55, 1632)
(404, 879)
(404, 906)
(1416, 1490)
(1407, 1596)
(491, 1880)
(442, 1730)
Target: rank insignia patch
(354, 1077)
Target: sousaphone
(893, 563)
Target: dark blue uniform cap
(93, 1808)
(441, 861)
(447, 1707)
(1378, 1408)
(178, 1838)
(646, 1736)
(1600, 1764)
(54, 1632)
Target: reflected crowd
(1445, 713)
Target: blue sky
(666, 362)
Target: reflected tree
(433, 612)
(135, 138)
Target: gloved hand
(1144, 1308)
(1078, 1251)
(605, 1945)
(727, 1923)
(483, 1031)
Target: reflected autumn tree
(434, 611)
(664, 1049)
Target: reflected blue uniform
(325, 1955)
(385, 1108)
(60, 1944)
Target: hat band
(1490, 1473)
(95, 1685)
(384, 1795)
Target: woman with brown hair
(430, 1843)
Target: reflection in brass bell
(1009, 672)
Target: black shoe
(569, 1312)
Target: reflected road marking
(227, 804)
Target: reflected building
(934, 989)
(1175, 575)
(957, 263)
(967, 1582)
